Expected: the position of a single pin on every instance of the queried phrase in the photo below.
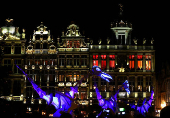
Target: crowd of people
(150, 114)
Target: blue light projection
(111, 102)
(62, 102)
(145, 106)
(97, 71)
(126, 86)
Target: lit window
(131, 62)
(95, 60)
(76, 44)
(148, 62)
(140, 57)
(69, 44)
(111, 62)
(103, 62)
(140, 83)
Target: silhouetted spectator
(165, 112)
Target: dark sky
(148, 18)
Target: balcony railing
(120, 47)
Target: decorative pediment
(73, 30)
(41, 29)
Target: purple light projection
(97, 71)
(62, 102)
(144, 107)
(111, 102)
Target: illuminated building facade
(55, 66)
(12, 46)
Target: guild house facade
(56, 64)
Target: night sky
(149, 19)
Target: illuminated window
(37, 62)
(140, 83)
(148, 62)
(103, 62)
(69, 44)
(148, 83)
(46, 62)
(95, 60)
(83, 95)
(61, 77)
(111, 62)
(76, 44)
(131, 62)
(68, 78)
(140, 57)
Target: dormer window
(69, 44)
(76, 44)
